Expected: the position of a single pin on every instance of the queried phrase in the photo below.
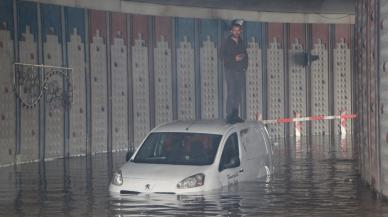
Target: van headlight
(192, 181)
(117, 178)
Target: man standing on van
(235, 64)
(235, 59)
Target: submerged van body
(195, 156)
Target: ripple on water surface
(317, 179)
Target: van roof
(201, 126)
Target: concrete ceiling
(285, 11)
(285, 6)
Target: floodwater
(316, 178)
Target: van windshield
(179, 148)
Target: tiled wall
(371, 98)
(383, 96)
(320, 77)
(133, 72)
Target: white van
(194, 156)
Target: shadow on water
(316, 178)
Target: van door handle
(241, 170)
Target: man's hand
(239, 57)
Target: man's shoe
(238, 119)
(233, 118)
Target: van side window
(230, 157)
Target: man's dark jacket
(229, 51)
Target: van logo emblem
(147, 187)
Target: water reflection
(318, 178)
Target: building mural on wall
(163, 70)
(275, 77)
(140, 72)
(52, 56)
(254, 74)
(99, 74)
(119, 80)
(185, 62)
(320, 77)
(342, 65)
(7, 98)
(209, 73)
(76, 59)
(133, 72)
(297, 81)
(29, 129)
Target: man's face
(236, 31)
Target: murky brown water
(312, 179)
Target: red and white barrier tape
(343, 117)
(298, 119)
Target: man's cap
(238, 22)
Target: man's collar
(231, 38)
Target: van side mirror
(129, 154)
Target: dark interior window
(230, 155)
(179, 148)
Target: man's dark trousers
(235, 89)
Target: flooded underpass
(97, 76)
(318, 178)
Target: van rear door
(254, 153)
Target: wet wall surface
(312, 179)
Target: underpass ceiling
(286, 6)
(288, 11)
